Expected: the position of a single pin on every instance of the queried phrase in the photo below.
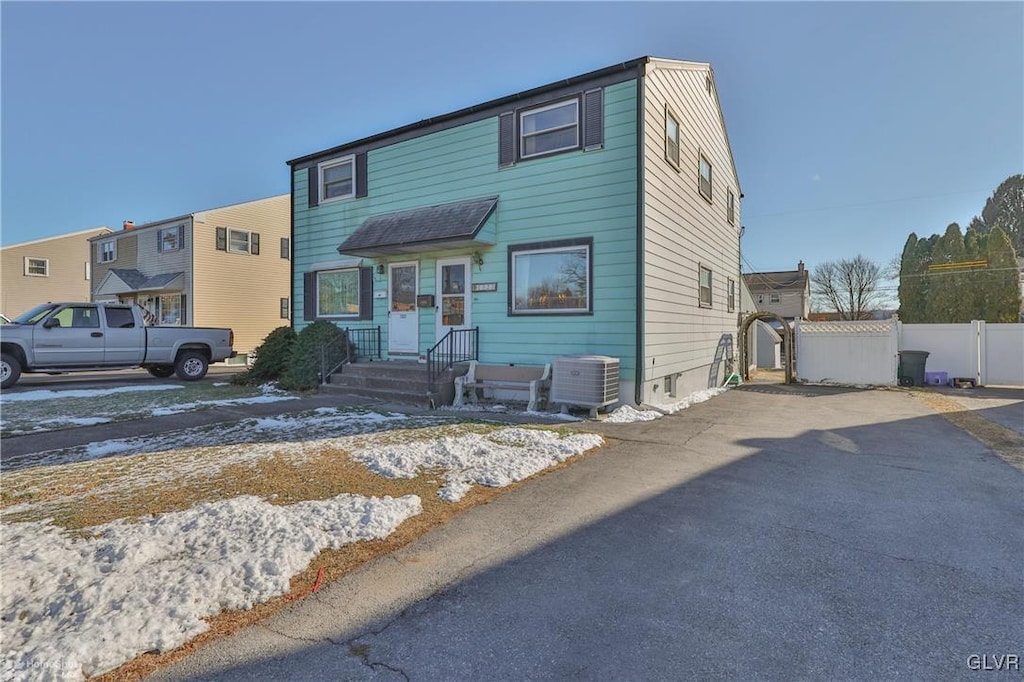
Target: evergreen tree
(946, 287)
(913, 288)
(1005, 210)
(1001, 300)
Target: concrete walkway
(774, 532)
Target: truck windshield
(36, 314)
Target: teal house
(596, 215)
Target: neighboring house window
(773, 298)
(337, 293)
(760, 298)
(166, 308)
(730, 211)
(549, 129)
(671, 138)
(285, 310)
(704, 280)
(170, 239)
(551, 278)
(286, 248)
(337, 179)
(37, 267)
(704, 181)
(108, 251)
(88, 271)
(238, 241)
(731, 301)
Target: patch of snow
(493, 459)
(73, 421)
(188, 407)
(563, 416)
(628, 414)
(43, 394)
(75, 605)
(692, 399)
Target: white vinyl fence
(868, 352)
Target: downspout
(640, 248)
(291, 247)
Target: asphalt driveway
(771, 533)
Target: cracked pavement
(813, 533)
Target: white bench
(503, 377)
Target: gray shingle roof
(420, 229)
(776, 281)
(140, 282)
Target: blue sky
(851, 124)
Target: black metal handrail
(458, 345)
(366, 341)
(333, 354)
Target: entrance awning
(125, 281)
(424, 229)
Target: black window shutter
(365, 293)
(286, 251)
(593, 119)
(254, 243)
(361, 175)
(159, 242)
(506, 139)
(309, 296)
(184, 309)
(181, 236)
(222, 239)
(313, 186)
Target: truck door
(70, 337)
(126, 338)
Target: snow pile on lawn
(494, 459)
(84, 605)
(42, 394)
(627, 414)
(270, 394)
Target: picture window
(551, 279)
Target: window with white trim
(169, 239)
(730, 208)
(37, 267)
(549, 129)
(704, 284)
(551, 278)
(165, 308)
(108, 251)
(704, 177)
(337, 293)
(731, 300)
(774, 298)
(337, 178)
(671, 138)
(238, 241)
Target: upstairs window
(704, 177)
(671, 138)
(37, 267)
(549, 129)
(704, 284)
(337, 179)
(774, 298)
(238, 241)
(170, 239)
(730, 208)
(108, 251)
(731, 300)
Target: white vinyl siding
(683, 231)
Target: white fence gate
(868, 352)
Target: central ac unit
(585, 381)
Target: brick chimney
(129, 224)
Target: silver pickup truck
(79, 337)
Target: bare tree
(849, 287)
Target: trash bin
(911, 368)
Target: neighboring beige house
(786, 293)
(222, 267)
(48, 269)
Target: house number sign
(484, 286)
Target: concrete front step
(394, 381)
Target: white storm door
(403, 318)
(453, 285)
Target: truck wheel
(10, 370)
(161, 371)
(191, 366)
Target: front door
(403, 319)
(453, 275)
